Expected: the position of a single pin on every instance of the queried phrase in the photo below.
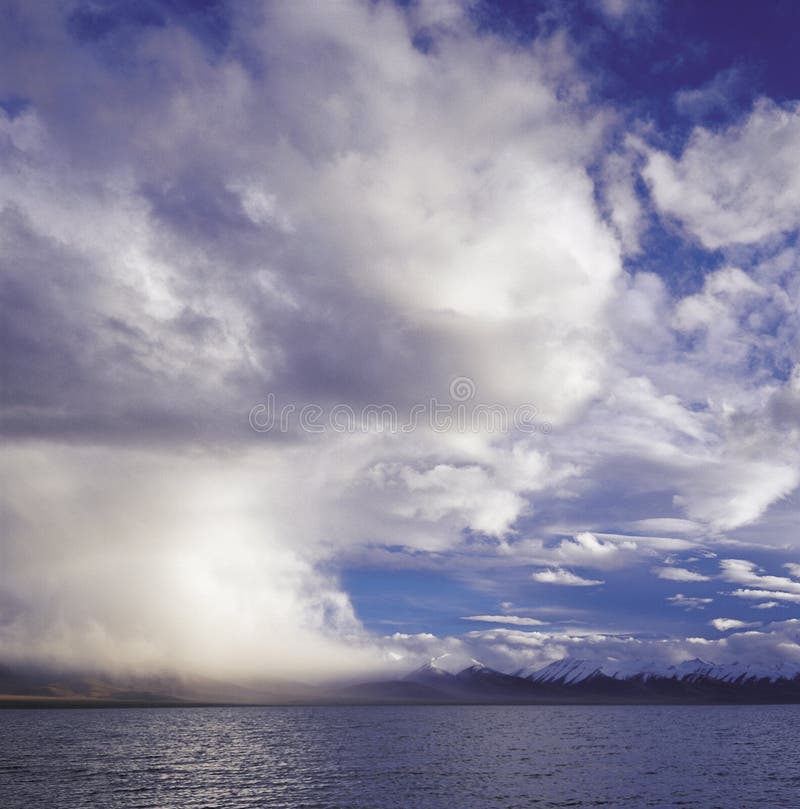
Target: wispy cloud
(740, 571)
(504, 619)
(678, 574)
(689, 602)
(565, 577)
(764, 594)
(725, 624)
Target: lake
(458, 757)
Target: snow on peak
(429, 671)
(567, 671)
(570, 671)
(737, 672)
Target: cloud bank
(308, 202)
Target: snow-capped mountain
(738, 672)
(602, 680)
(479, 675)
(567, 672)
(572, 671)
(430, 674)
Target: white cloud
(668, 525)
(183, 567)
(466, 492)
(629, 17)
(712, 97)
(358, 223)
(584, 549)
(619, 188)
(586, 543)
(740, 571)
(561, 576)
(712, 308)
(741, 185)
(724, 624)
(689, 602)
(504, 619)
(510, 649)
(737, 494)
(678, 574)
(653, 543)
(762, 594)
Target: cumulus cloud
(195, 242)
(706, 415)
(740, 185)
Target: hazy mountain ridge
(570, 680)
(24, 685)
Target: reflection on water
(457, 757)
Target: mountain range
(573, 680)
(566, 681)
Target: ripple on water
(448, 757)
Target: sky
(340, 336)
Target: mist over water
(426, 757)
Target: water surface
(458, 757)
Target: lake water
(456, 757)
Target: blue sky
(269, 271)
